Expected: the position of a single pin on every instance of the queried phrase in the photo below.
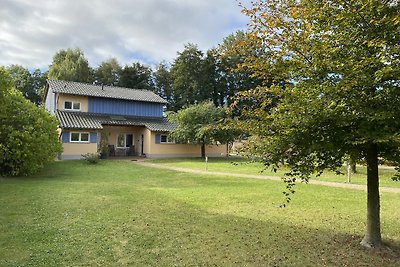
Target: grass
(121, 214)
(240, 165)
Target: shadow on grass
(130, 215)
(220, 239)
(156, 230)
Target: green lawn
(240, 165)
(118, 213)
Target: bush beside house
(28, 134)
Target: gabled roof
(95, 121)
(114, 92)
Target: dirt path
(264, 177)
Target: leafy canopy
(198, 124)
(28, 134)
(29, 84)
(343, 61)
(108, 72)
(70, 65)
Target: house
(125, 121)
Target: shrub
(91, 158)
(28, 133)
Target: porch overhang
(95, 121)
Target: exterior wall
(75, 150)
(125, 107)
(142, 139)
(182, 150)
(151, 149)
(72, 150)
(65, 97)
(50, 102)
(113, 131)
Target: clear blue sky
(149, 31)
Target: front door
(129, 140)
(141, 147)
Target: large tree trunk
(372, 236)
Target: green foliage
(187, 77)
(91, 158)
(198, 124)
(70, 65)
(137, 76)
(341, 102)
(29, 84)
(28, 136)
(344, 62)
(104, 150)
(109, 72)
(196, 76)
(163, 83)
(231, 55)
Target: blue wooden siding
(93, 137)
(65, 137)
(125, 107)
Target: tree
(108, 72)
(343, 58)
(137, 76)
(233, 75)
(70, 65)
(38, 83)
(28, 134)
(197, 124)
(24, 82)
(163, 83)
(213, 86)
(187, 77)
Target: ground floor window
(166, 139)
(79, 137)
(124, 140)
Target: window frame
(169, 140)
(125, 140)
(73, 103)
(117, 143)
(79, 137)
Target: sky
(148, 31)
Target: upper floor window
(79, 137)
(166, 139)
(72, 105)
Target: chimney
(102, 86)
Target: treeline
(193, 76)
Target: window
(71, 105)
(79, 137)
(166, 139)
(121, 140)
(124, 140)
